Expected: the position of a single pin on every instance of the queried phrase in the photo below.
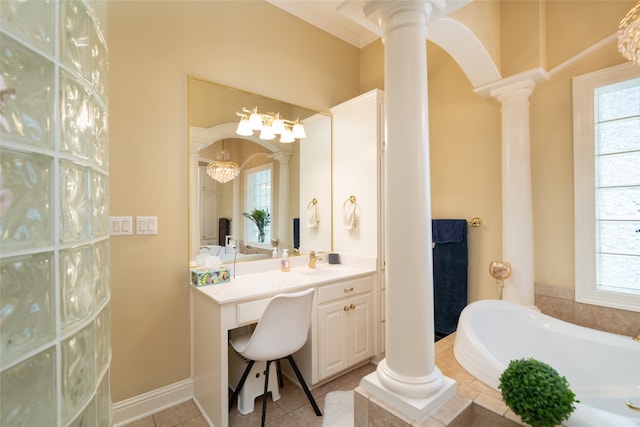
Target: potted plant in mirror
(537, 393)
(261, 218)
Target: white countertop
(250, 286)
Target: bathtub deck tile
(556, 291)
(465, 419)
(556, 307)
(485, 389)
(361, 406)
(452, 369)
(515, 418)
(607, 319)
(429, 422)
(452, 409)
(489, 402)
(483, 417)
(465, 390)
(381, 414)
(445, 344)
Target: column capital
(282, 156)
(518, 85)
(391, 15)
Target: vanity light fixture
(269, 125)
(244, 127)
(223, 170)
(629, 35)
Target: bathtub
(603, 369)
(227, 258)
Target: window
(607, 187)
(257, 196)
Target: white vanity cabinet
(341, 335)
(345, 325)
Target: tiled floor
(293, 408)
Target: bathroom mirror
(291, 180)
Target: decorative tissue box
(205, 276)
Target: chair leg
(279, 370)
(264, 396)
(236, 392)
(304, 386)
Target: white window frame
(584, 87)
(249, 228)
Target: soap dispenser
(284, 263)
(274, 252)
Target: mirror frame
(225, 130)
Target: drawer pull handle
(346, 308)
(348, 289)
(352, 306)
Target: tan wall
(590, 22)
(465, 131)
(552, 168)
(465, 141)
(522, 36)
(153, 46)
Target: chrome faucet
(636, 336)
(313, 258)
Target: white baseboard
(143, 405)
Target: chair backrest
(283, 328)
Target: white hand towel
(312, 215)
(349, 214)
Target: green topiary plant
(261, 218)
(537, 393)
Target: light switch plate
(147, 225)
(120, 226)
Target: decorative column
(407, 379)
(194, 197)
(236, 211)
(284, 224)
(517, 206)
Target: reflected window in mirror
(258, 195)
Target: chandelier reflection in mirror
(629, 35)
(269, 125)
(223, 170)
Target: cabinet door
(360, 328)
(332, 338)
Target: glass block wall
(55, 348)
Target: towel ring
(351, 199)
(313, 202)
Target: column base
(415, 408)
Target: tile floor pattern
(292, 410)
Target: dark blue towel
(448, 230)
(450, 263)
(296, 232)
